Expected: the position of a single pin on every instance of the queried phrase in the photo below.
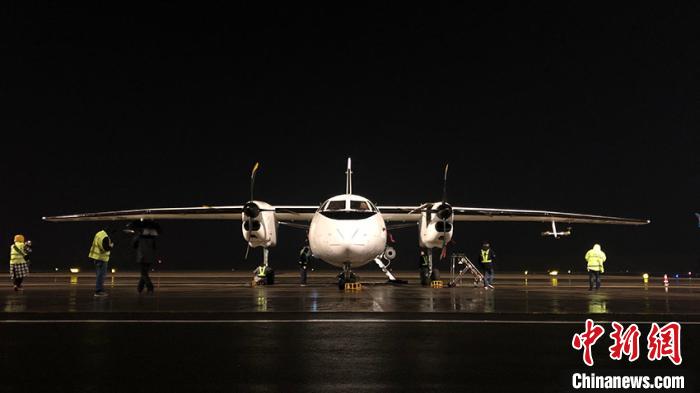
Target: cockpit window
(359, 205)
(358, 210)
(336, 205)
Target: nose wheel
(346, 276)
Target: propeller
(251, 209)
(444, 212)
(444, 184)
(252, 179)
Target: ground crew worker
(99, 254)
(261, 275)
(19, 261)
(424, 267)
(304, 258)
(145, 244)
(487, 258)
(595, 258)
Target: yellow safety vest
(485, 256)
(424, 261)
(261, 271)
(96, 251)
(17, 253)
(595, 260)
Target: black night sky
(570, 107)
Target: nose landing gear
(346, 276)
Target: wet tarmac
(229, 295)
(212, 331)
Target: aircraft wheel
(435, 275)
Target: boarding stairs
(469, 268)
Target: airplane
(348, 230)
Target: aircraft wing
(282, 213)
(412, 213)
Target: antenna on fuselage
(348, 178)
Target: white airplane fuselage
(347, 230)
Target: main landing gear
(383, 261)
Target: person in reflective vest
(99, 254)
(487, 258)
(424, 267)
(595, 257)
(304, 258)
(19, 261)
(261, 275)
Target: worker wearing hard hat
(99, 254)
(595, 258)
(19, 261)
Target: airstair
(460, 261)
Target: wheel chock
(353, 286)
(436, 284)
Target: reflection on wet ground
(212, 332)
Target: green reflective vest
(17, 253)
(485, 256)
(595, 259)
(261, 271)
(304, 256)
(96, 251)
(424, 261)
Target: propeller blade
(444, 184)
(443, 253)
(252, 179)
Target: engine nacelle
(436, 226)
(259, 224)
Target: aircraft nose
(347, 235)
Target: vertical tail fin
(348, 178)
